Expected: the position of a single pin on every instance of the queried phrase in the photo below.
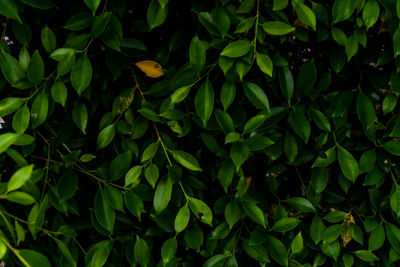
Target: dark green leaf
(348, 164)
(277, 250)
(204, 101)
(81, 74)
(256, 96)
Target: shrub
(215, 133)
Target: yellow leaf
(346, 234)
(151, 68)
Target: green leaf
(370, 13)
(62, 53)
(342, 10)
(239, 154)
(356, 233)
(21, 119)
(65, 251)
(237, 49)
(92, 5)
(297, 243)
(253, 123)
(393, 234)
(99, 24)
(300, 125)
(20, 198)
(87, 157)
(256, 96)
(120, 165)
(348, 164)
(348, 260)
(221, 19)
(34, 258)
(339, 36)
(290, 147)
(367, 160)
(306, 78)
(114, 197)
(204, 101)
(300, 204)
(366, 114)
(366, 255)
(79, 21)
(39, 110)
(180, 94)
(259, 253)
(102, 253)
(277, 250)
(81, 74)
(376, 238)
(285, 224)
(201, 210)
(132, 176)
(331, 249)
(105, 214)
(197, 54)
(10, 67)
(286, 82)
(182, 219)
(106, 136)
(232, 213)
(321, 120)
(319, 179)
(317, 229)
(280, 4)
(142, 252)
(245, 25)
(254, 212)
(156, 14)
(80, 116)
(265, 64)
(395, 203)
(331, 233)
(224, 120)
(277, 28)
(19, 178)
(220, 232)
(216, 260)
(151, 174)
(327, 159)
(227, 95)
(162, 195)
(389, 104)
(246, 6)
(134, 204)
(306, 15)
(41, 4)
(36, 69)
(374, 176)
(336, 216)
(393, 147)
(186, 160)
(6, 140)
(150, 152)
(59, 92)
(168, 249)
(9, 9)
(9, 105)
(48, 39)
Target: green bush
(215, 133)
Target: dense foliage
(204, 132)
